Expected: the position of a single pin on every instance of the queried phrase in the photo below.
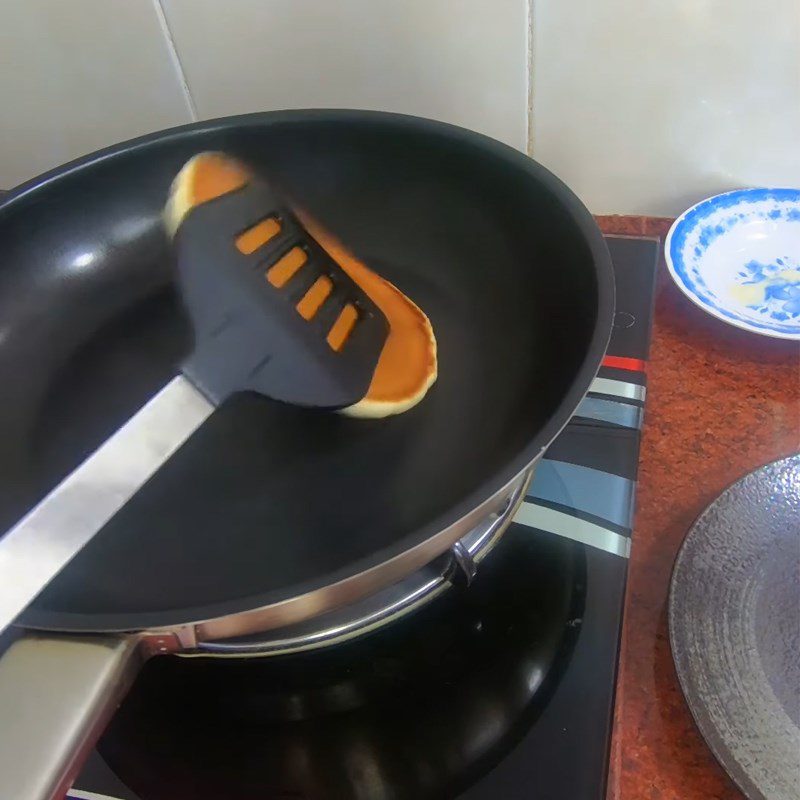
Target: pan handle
(469, 551)
(57, 693)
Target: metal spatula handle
(43, 542)
(249, 336)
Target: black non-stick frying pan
(271, 514)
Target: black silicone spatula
(264, 299)
(272, 313)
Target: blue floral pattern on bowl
(737, 256)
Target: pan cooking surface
(267, 500)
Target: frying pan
(269, 514)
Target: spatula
(272, 313)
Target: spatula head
(272, 312)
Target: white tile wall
(646, 106)
(76, 75)
(462, 61)
(642, 106)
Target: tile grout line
(176, 60)
(529, 78)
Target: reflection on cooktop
(420, 709)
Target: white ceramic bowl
(737, 256)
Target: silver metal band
(579, 530)
(623, 414)
(79, 794)
(623, 389)
(389, 604)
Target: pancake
(407, 366)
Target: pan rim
(479, 497)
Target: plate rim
(687, 291)
(732, 768)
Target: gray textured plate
(734, 621)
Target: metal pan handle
(57, 694)
(470, 550)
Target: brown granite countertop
(720, 402)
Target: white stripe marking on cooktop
(79, 794)
(628, 391)
(579, 530)
(623, 414)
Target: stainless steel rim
(387, 605)
(313, 604)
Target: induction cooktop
(503, 688)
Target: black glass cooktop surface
(502, 689)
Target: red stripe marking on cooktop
(620, 362)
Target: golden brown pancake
(407, 366)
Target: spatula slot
(249, 240)
(284, 269)
(341, 329)
(314, 298)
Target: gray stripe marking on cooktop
(600, 494)
(578, 530)
(627, 416)
(628, 391)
